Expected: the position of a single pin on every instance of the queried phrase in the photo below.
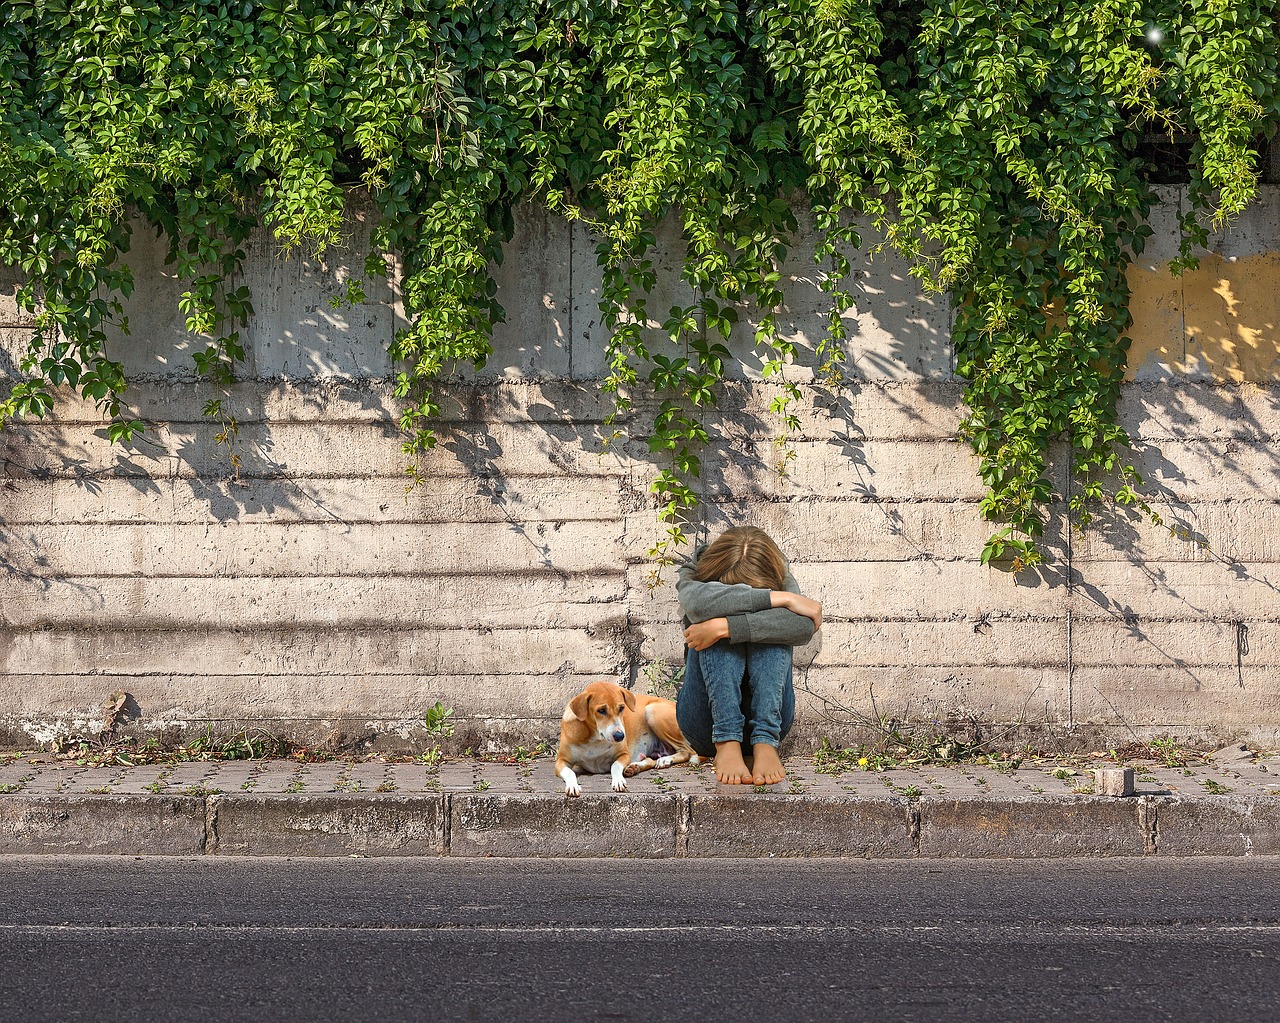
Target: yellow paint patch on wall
(1157, 337)
(1221, 320)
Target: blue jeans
(736, 691)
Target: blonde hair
(743, 554)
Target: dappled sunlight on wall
(1220, 321)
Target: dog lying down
(606, 728)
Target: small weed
(318, 756)
(438, 721)
(432, 757)
(248, 786)
(346, 785)
(482, 785)
(1037, 789)
(982, 779)
(905, 747)
(294, 786)
(1169, 752)
(759, 788)
(911, 791)
(156, 786)
(1083, 790)
(7, 787)
(101, 790)
(105, 750)
(1064, 773)
(1215, 788)
(1189, 773)
(524, 755)
(663, 679)
(239, 745)
(1145, 777)
(386, 786)
(199, 789)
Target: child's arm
(792, 599)
(777, 625)
(703, 601)
(790, 619)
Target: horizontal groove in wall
(383, 716)
(372, 672)
(281, 518)
(367, 630)
(247, 477)
(615, 566)
(377, 671)
(462, 573)
(1147, 434)
(282, 523)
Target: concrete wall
(314, 597)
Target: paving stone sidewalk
(475, 808)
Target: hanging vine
(997, 146)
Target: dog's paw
(572, 788)
(664, 762)
(619, 784)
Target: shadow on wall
(1225, 316)
(1210, 464)
(550, 286)
(307, 355)
(897, 356)
(1202, 407)
(317, 442)
(1216, 323)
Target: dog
(606, 728)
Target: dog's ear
(580, 706)
(629, 698)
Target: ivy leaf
(770, 136)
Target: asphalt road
(227, 940)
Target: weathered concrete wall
(312, 596)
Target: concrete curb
(1218, 826)
(123, 825)
(325, 825)
(1051, 826)
(661, 825)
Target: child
(744, 612)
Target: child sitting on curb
(743, 614)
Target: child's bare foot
(730, 768)
(767, 767)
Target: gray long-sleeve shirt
(747, 608)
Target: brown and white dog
(606, 728)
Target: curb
(115, 825)
(657, 826)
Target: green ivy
(996, 145)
